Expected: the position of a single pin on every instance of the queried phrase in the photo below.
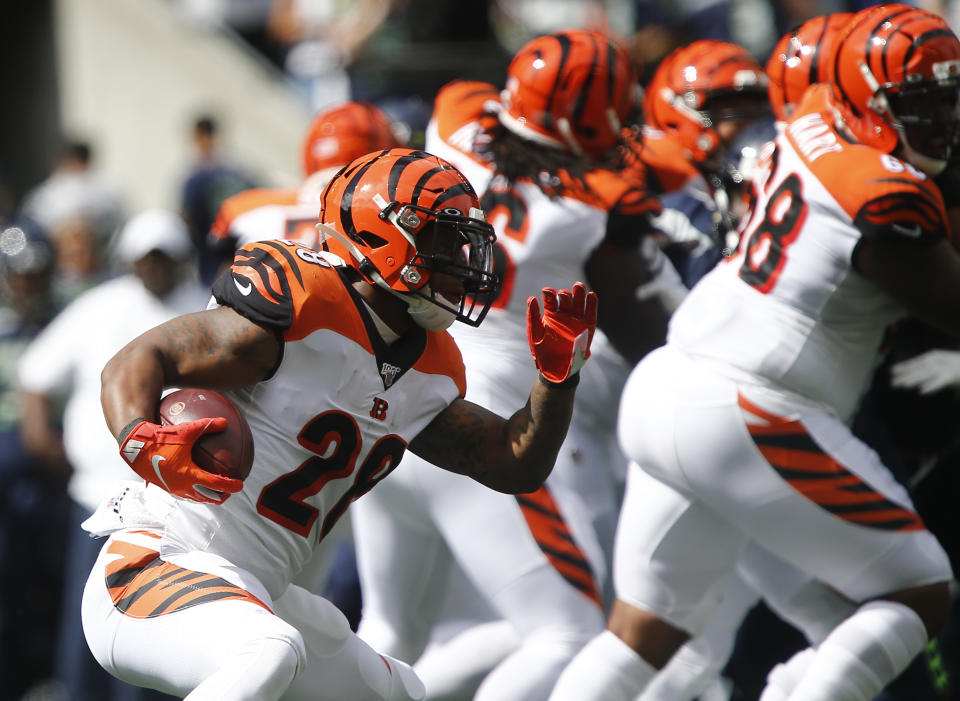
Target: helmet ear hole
(371, 240)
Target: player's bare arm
(517, 454)
(925, 279)
(512, 455)
(217, 349)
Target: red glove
(162, 456)
(560, 340)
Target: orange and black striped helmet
(896, 74)
(570, 90)
(412, 224)
(800, 59)
(338, 135)
(687, 94)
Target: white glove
(928, 372)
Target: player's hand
(560, 339)
(928, 372)
(162, 456)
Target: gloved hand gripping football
(560, 339)
(162, 456)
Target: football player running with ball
(339, 364)
(737, 428)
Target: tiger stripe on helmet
(402, 167)
(373, 213)
(571, 89)
(894, 68)
(801, 59)
(691, 75)
(880, 22)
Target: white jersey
(261, 214)
(332, 421)
(789, 311)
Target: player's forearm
(130, 386)
(536, 432)
(512, 455)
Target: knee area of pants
(282, 654)
(389, 678)
(279, 641)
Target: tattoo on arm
(511, 455)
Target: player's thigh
(672, 554)
(813, 494)
(170, 628)
(796, 481)
(402, 559)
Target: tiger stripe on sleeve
(290, 288)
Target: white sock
(863, 654)
(606, 669)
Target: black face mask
(929, 112)
(451, 244)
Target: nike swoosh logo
(155, 461)
(244, 289)
(911, 231)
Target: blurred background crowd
(130, 123)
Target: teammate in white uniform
(338, 368)
(737, 427)
(536, 560)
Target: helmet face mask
(411, 224)
(747, 105)
(927, 114)
(453, 263)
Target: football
(228, 452)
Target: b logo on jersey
(379, 409)
(389, 373)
